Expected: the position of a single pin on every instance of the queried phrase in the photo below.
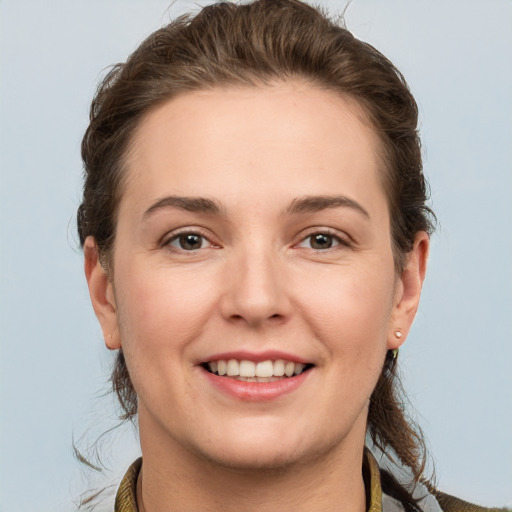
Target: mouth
(244, 370)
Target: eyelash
(177, 237)
(340, 241)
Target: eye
(320, 241)
(188, 242)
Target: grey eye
(188, 242)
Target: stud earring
(398, 334)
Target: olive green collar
(126, 499)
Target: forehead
(231, 142)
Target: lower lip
(257, 391)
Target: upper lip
(256, 357)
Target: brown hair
(252, 44)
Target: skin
(256, 283)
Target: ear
(102, 295)
(408, 291)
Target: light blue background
(456, 56)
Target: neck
(173, 475)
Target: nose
(255, 289)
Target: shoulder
(452, 504)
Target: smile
(249, 371)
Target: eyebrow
(190, 204)
(306, 204)
(311, 204)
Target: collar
(126, 498)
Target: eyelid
(342, 238)
(187, 230)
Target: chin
(254, 458)
(253, 449)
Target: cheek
(349, 309)
(161, 312)
(160, 315)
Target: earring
(398, 334)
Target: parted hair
(254, 44)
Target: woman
(256, 237)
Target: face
(253, 243)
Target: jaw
(256, 431)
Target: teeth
(221, 367)
(279, 368)
(289, 368)
(264, 371)
(299, 368)
(247, 369)
(233, 368)
(248, 379)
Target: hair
(255, 44)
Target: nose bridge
(256, 289)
